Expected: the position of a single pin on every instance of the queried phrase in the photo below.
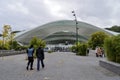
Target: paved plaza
(58, 66)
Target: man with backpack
(30, 52)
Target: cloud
(18, 8)
(26, 14)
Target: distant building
(60, 32)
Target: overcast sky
(27, 14)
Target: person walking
(99, 52)
(87, 51)
(30, 52)
(40, 57)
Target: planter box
(114, 67)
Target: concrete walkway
(58, 66)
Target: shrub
(109, 49)
(49, 51)
(82, 48)
(73, 48)
(116, 43)
(112, 48)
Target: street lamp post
(76, 22)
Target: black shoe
(31, 68)
(43, 66)
(27, 68)
(38, 70)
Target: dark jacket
(40, 53)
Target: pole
(76, 30)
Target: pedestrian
(40, 57)
(96, 51)
(99, 52)
(102, 51)
(30, 52)
(87, 51)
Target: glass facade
(60, 32)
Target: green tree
(37, 42)
(14, 45)
(114, 28)
(8, 37)
(97, 39)
(5, 33)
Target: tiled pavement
(58, 66)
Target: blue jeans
(38, 63)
